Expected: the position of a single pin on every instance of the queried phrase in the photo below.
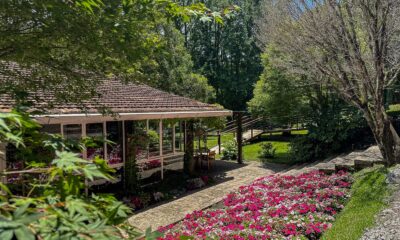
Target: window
(179, 136)
(73, 131)
(114, 149)
(168, 137)
(51, 128)
(154, 138)
(96, 133)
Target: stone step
(353, 161)
(327, 168)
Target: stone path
(176, 210)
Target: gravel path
(388, 221)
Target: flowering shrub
(273, 207)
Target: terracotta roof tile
(115, 95)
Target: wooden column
(239, 136)
(84, 156)
(173, 138)
(124, 153)
(189, 163)
(219, 141)
(105, 140)
(3, 162)
(161, 148)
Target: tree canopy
(227, 54)
(350, 45)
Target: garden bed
(273, 207)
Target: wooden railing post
(189, 163)
(3, 162)
(239, 136)
(219, 142)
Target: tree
(226, 54)
(352, 45)
(79, 40)
(277, 97)
(172, 70)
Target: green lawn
(368, 198)
(281, 143)
(212, 141)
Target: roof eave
(97, 117)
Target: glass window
(167, 138)
(51, 128)
(114, 149)
(154, 138)
(73, 131)
(95, 132)
(179, 136)
(141, 140)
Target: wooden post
(173, 138)
(219, 142)
(105, 141)
(189, 163)
(239, 136)
(124, 153)
(161, 148)
(3, 162)
(84, 155)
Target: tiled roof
(114, 95)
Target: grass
(369, 192)
(280, 143)
(212, 141)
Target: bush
(267, 151)
(303, 149)
(56, 206)
(230, 150)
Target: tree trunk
(189, 163)
(384, 133)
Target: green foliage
(394, 110)
(226, 54)
(333, 126)
(230, 150)
(80, 40)
(56, 207)
(267, 151)
(284, 98)
(277, 95)
(368, 198)
(174, 68)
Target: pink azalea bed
(272, 207)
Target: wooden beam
(97, 117)
(173, 138)
(124, 150)
(105, 140)
(84, 156)
(239, 136)
(161, 147)
(3, 161)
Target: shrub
(230, 150)
(267, 151)
(56, 206)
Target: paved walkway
(176, 210)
